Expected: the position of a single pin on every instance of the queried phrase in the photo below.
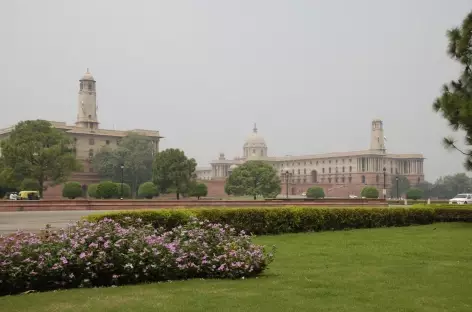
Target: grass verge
(417, 268)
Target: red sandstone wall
(55, 192)
(216, 187)
(84, 204)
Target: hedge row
(261, 221)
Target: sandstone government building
(340, 174)
(87, 136)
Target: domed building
(255, 146)
(340, 174)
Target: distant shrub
(92, 190)
(72, 190)
(315, 192)
(147, 190)
(370, 192)
(106, 254)
(199, 190)
(414, 193)
(126, 190)
(30, 185)
(107, 190)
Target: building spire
(255, 128)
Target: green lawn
(421, 268)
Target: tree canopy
(255, 178)
(414, 193)
(403, 186)
(36, 150)
(315, 192)
(173, 172)
(370, 192)
(198, 190)
(135, 153)
(455, 102)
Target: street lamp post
(122, 169)
(286, 173)
(396, 179)
(385, 183)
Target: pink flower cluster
(107, 253)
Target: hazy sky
(312, 74)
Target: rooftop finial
(255, 128)
(88, 72)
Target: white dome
(255, 139)
(88, 76)
(232, 167)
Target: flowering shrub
(106, 253)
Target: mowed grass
(420, 268)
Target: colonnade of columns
(219, 170)
(399, 166)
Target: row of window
(92, 141)
(311, 162)
(88, 85)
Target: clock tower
(87, 106)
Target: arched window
(343, 168)
(314, 176)
(329, 169)
(329, 180)
(363, 179)
(262, 152)
(90, 152)
(350, 168)
(350, 179)
(343, 179)
(377, 178)
(336, 179)
(419, 180)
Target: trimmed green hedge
(280, 220)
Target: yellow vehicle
(28, 195)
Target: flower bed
(105, 254)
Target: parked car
(461, 199)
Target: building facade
(340, 174)
(87, 137)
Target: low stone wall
(84, 204)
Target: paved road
(33, 221)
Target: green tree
(173, 171)
(107, 190)
(126, 190)
(455, 102)
(198, 190)
(37, 150)
(30, 185)
(135, 153)
(72, 190)
(403, 185)
(451, 185)
(315, 192)
(414, 193)
(253, 178)
(370, 192)
(92, 190)
(147, 190)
